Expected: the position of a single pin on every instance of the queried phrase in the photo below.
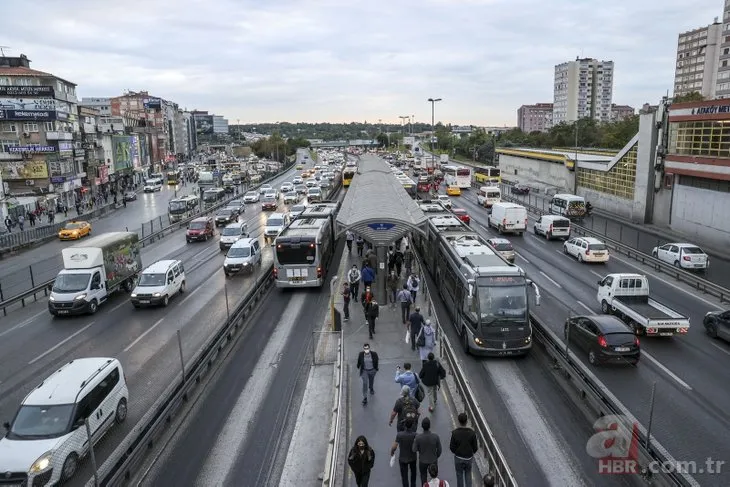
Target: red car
(201, 228)
(462, 215)
(269, 204)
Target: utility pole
(433, 102)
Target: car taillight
(636, 341)
(602, 341)
(687, 258)
(588, 251)
(276, 272)
(319, 272)
(550, 229)
(504, 222)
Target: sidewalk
(372, 420)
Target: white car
(291, 197)
(586, 249)
(251, 197)
(311, 184)
(264, 188)
(444, 200)
(682, 255)
(297, 180)
(271, 194)
(286, 187)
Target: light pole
(433, 132)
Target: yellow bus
(489, 174)
(347, 175)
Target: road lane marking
(522, 257)
(118, 306)
(565, 255)
(586, 307)
(597, 274)
(149, 330)
(666, 370)
(483, 227)
(60, 344)
(720, 348)
(551, 280)
(190, 295)
(207, 249)
(24, 323)
(539, 239)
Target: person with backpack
(392, 283)
(428, 447)
(431, 375)
(464, 446)
(405, 407)
(361, 460)
(426, 340)
(407, 460)
(346, 301)
(372, 312)
(434, 480)
(407, 378)
(353, 278)
(413, 286)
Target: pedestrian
(405, 407)
(31, 218)
(361, 460)
(428, 447)
(415, 323)
(372, 258)
(393, 281)
(464, 446)
(9, 223)
(433, 476)
(390, 259)
(21, 222)
(349, 237)
(372, 312)
(367, 366)
(346, 301)
(398, 261)
(368, 275)
(431, 375)
(407, 377)
(488, 481)
(353, 277)
(407, 459)
(404, 298)
(413, 286)
(365, 299)
(359, 243)
(426, 340)
(408, 260)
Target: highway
(33, 343)
(45, 259)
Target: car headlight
(133, 295)
(157, 295)
(51, 298)
(80, 297)
(43, 462)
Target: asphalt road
(45, 260)
(33, 344)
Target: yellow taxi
(305, 174)
(75, 230)
(453, 191)
(299, 167)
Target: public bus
(303, 250)
(457, 176)
(174, 177)
(489, 175)
(409, 186)
(212, 197)
(180, 208)
(347, 175)
(486, 296)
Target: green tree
(382, 139)
(693, 96)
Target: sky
(342, 61)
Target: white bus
(489, 195)
(457, 176)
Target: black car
(520, 189)
(130, 196)
(225, 216)
(605, 338)
(236, 205)
(269, 204)
(717, 324)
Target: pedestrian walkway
(371, 420)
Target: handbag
(408, 337)
(420, 392)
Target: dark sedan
(520, 189)
(236, 205)
(268, 204)
(130, 196)
(225, 216)
(605, 338)
(717, 324)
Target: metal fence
(325, 347)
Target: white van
(489, 195)
(275, 224)
(568, 205)
(508, 217)
(47, 438)
(232, 233)
(552, 226)
(152, 185)
(158, 283)
(242, 257)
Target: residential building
(583, 88)
(39, 134)
(150, 125)
(722, 89)
(103, 105)
(621, 112)
(535, 118)
(698, 53)
(220, 125)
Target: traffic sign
(381, 226)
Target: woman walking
(361, 460)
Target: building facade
(697, 62)
(621, 112)
(102, 105)
(220, 125)
(583, 88)
(722, 90)
(150, 126)
(535, 118)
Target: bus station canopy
(377, 206)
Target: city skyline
(312, 61)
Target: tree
(693, 96)
(382, 139)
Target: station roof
(377, 206)
(558, 156)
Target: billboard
(33, 149)
(122, 150)
(204, 124)
(27, 91)
(28, 115)
(19, 170)
(28, 103)
(152, 103)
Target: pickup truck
(627, 296)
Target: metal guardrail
(43, 288)
(330, 470)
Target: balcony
(59, 135)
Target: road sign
(381, 226)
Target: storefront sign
(28, 103)
(30, 115)
(58, 179)
(38, 149)
(18, 170)
(152, 103)
(65, 146)
(701, 110)
(27, 91)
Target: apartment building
(535, 118)
(722, 87)
(698, 53)
(583, 88)
(621, 112)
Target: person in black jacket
(367, 366)
(431, 375)
(464, 446)
(361, 460)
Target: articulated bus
(457, 176)
(486, 296)
(489, 175)
(173, 177)
(347, 175)
(303, 250)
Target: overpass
(322, 144)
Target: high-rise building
(697, 61)
(220, 125)
(583, 88)
(722, 88)
(535, 118)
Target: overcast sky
(344, 60)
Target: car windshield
(71, 283)
(269, 199)
(150, 182)
(178, 205)
(503, 247)
(72, 226)
(225, 213)
(314, 191)
(229, 232)
(151, 280)
(197, 225)
(693, 250)
(251, 194)
(297, 208)
(238, 252)
(274, 222)
(42, 421)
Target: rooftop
(64, 384)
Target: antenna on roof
(2, 48)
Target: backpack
(414, 282)
(410, 410)
(421, 339)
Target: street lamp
(433, 132)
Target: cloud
(344, 60)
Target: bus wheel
(465, 341)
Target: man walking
(404, 299)
(405, 407)
(368, 275)
(464, 446)
(346, 301)
(353, 277)
(349, 238)
(367, 366)
(372, 312)
(432, 373)
(428, 447)
(415, 322)
(407, 459)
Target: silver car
(504, 247)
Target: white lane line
(568, 256)
(190, 295)
(483, 227)
(149, 330)
(60, 344)
(585, 307)
(224, 455)
(666, 370)
(24, 323)
(678, 288)
(551, 280)
(196, 255)
(597, 274)
(720, 348)
(522, 257)
(539, 239)
(118, 306)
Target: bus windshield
(178, 206)
(300, 253)
(210, 196)
(502, 298)
(463, 172)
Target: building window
(5, 144)
(10, 127)
(618, 181)
(700, 138)
(49, 126)
(4, 81)
(30, 127)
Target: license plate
(622, 349)
(62, 311)
(665, 334)
(599, 254)
(144, 301)
(296, 282)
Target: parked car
(683, 255)
(586, 249)
(604, 337)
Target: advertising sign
(204, 124)
(152, 103)
(38, 149)
(28, 103)
(65, 146)
(28, 115)
(122, 150)
(27, 91)
(15, 170)
(103, 172)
